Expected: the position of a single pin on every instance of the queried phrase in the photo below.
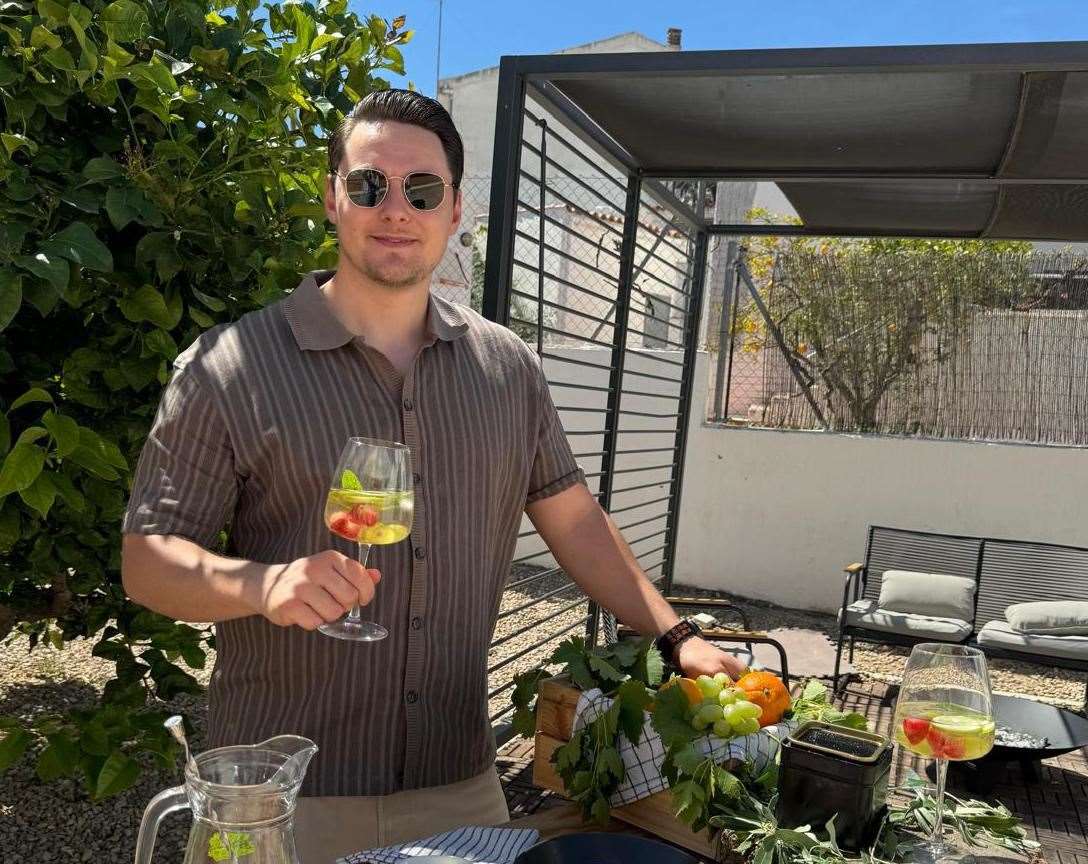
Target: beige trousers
(329, 828)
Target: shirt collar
(316, 327)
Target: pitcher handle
(166, 802)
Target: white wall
(775, 515)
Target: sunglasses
(367, 187)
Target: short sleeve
(185, 482)
(554, 468)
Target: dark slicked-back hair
(402, 106)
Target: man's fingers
(322, 602)
(305, 617)
(375, 575)
(360, 579)
(339, 585)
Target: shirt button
(411, 697)
(407, 404)
(420, 553)
(417, 623)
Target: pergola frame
(543, 78)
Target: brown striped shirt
(248, 434)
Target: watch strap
(671, 639)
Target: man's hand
(697, 657)
(312, 591)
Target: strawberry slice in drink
(346, 527)
(364, 514)
(915, 729)
(945, 746)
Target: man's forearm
(182, 580)
(589, 547)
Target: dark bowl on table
(1060, 730)
(603, 848)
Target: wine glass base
(354, 631)
(924, 852)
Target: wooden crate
(554, 724)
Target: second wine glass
(945, 712)
(371, 503)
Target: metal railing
(587, 265)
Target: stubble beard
(393, 276)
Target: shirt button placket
(413, 679)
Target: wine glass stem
(356, 613)
(936, 839)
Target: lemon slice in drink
(956, 724)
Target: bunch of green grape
(724, 709)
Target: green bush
(161, 168)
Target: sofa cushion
(866, 613)
(937, 595)
(1049, 617)
(998, 634)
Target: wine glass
(370, 503)
(944, 712)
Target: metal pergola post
(503, 210)
(691, 341)
(619, 356)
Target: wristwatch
(671, 639)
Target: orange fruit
(768, 692)
(688, 686)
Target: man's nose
(395, 205)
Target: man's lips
(393, 241)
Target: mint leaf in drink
(349, 480)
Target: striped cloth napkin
(477, 844)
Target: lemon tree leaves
(131, 130)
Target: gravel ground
(55, 823)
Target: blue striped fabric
(477, 844)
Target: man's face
(393, 244)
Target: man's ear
(455, 217)
(330, 198)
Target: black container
(830, 771)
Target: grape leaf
(688, 759)
(609, 760)
(633, 701)
(814, 691)
(600, 810)
(567, 756)
(625, 653)
(670, 718)
(650, 666)
(604, 669)
(690, 800)
(572, 653)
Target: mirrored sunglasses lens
(424, 191)
(366, 188)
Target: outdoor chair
(1012, 599)
(744, 637)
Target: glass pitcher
(243, 804)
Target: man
(249, 431)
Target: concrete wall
(775, 515)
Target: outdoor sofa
(1013, 599)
